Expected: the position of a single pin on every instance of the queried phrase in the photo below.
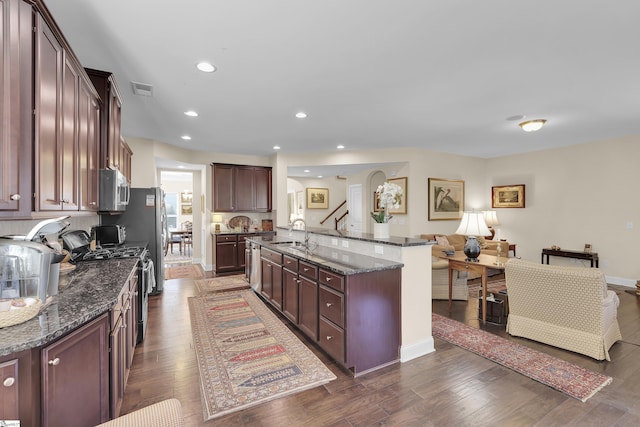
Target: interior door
(355, 207)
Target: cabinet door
(117, 345)
(226, 256)
(9, 390)
(88, 147)
(276, 285)
(115, 112)
(223, 188)
(75, 377)
(266, 277)
(70, 167)
(16, 108)
(308, 307)
(244, 189)
(262, 183)
(290, 283)
(48, 100)
(241, 249)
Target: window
(171, 205)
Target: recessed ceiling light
(276, 147)
(301, 115)
(186, 137)
(532, 125)
(205, 67)
(306, 171)
(191, 113)
(340, 147)
(319, 176)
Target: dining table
(184, 236)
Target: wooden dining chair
(187, 237)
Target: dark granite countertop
(366, 237)
(341, 262)
(84, 293)
(244, 232)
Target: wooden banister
(334, 211)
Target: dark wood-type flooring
(450, 387)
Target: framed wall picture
(446, 199)
(402, 183)
(507, 196)
(317, 198)
(186, 197)
(376, 202)
(186, 209)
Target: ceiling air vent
(142, 89)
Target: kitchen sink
(292, 244)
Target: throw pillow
(442, 240)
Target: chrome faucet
(306, 234)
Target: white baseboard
(410, 352)
(631, 283)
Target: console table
(591, 256)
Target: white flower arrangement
(389, 196)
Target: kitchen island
(69, 365)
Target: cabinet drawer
(332, 340)
(271, 255)
(226, 238)
(336, 281)
(308, 270)
(290, 263)
(332, 305)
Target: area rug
(570, 379)
(246, 355)
(190, 271)
(495, 286)
(224, 283)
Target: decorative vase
(381, 230)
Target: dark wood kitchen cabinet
(271, 276)
(88, 148)
(63, 96)
(75, 377)
(110, 118)
(16, 108)
(240, 188)
(290, 288)
(230, 250)
(19, 389)
(308, 299)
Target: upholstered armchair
(167, 413)
(566, 307)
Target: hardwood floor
(448, 387)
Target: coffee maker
(24, 269)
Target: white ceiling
(442, 75)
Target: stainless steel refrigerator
(145, 221)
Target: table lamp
(472, 225)
(216, 219)
(491, 219)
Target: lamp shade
(216, 217)
(491, 218)
(473, 224)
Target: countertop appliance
(111, 234)
(145, 220)
(24, 269)
(114, 191)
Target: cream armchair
(566, 307)
(167, 413)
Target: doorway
(179, 202)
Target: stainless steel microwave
(114, 191)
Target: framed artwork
(402, 183)
(186, 197)
(446, 199)
(376, 202)
(186, 210)
(507, 196)
(317, 198)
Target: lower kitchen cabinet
(230, 252)
(290, 289)
(271, 277)
(75, 377)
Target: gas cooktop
(114, 252)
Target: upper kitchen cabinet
(110, 116)
(89, 148)
(239, 188)
(16, 108)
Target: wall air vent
(142, 89)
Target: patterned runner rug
(225, 283)
(190, 271)
(246, 355)
(570, 379)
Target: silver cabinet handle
(329, 337)
(305, 269)
(8, 382)
(15, 197)
(65, 200)
(328, 279)
(329, 304)
(54, 362)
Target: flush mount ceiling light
(191, 113)
(205, 67)
(301, 115)
(186, 137)
(276, 147)
(340, 147)
(532, 125)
